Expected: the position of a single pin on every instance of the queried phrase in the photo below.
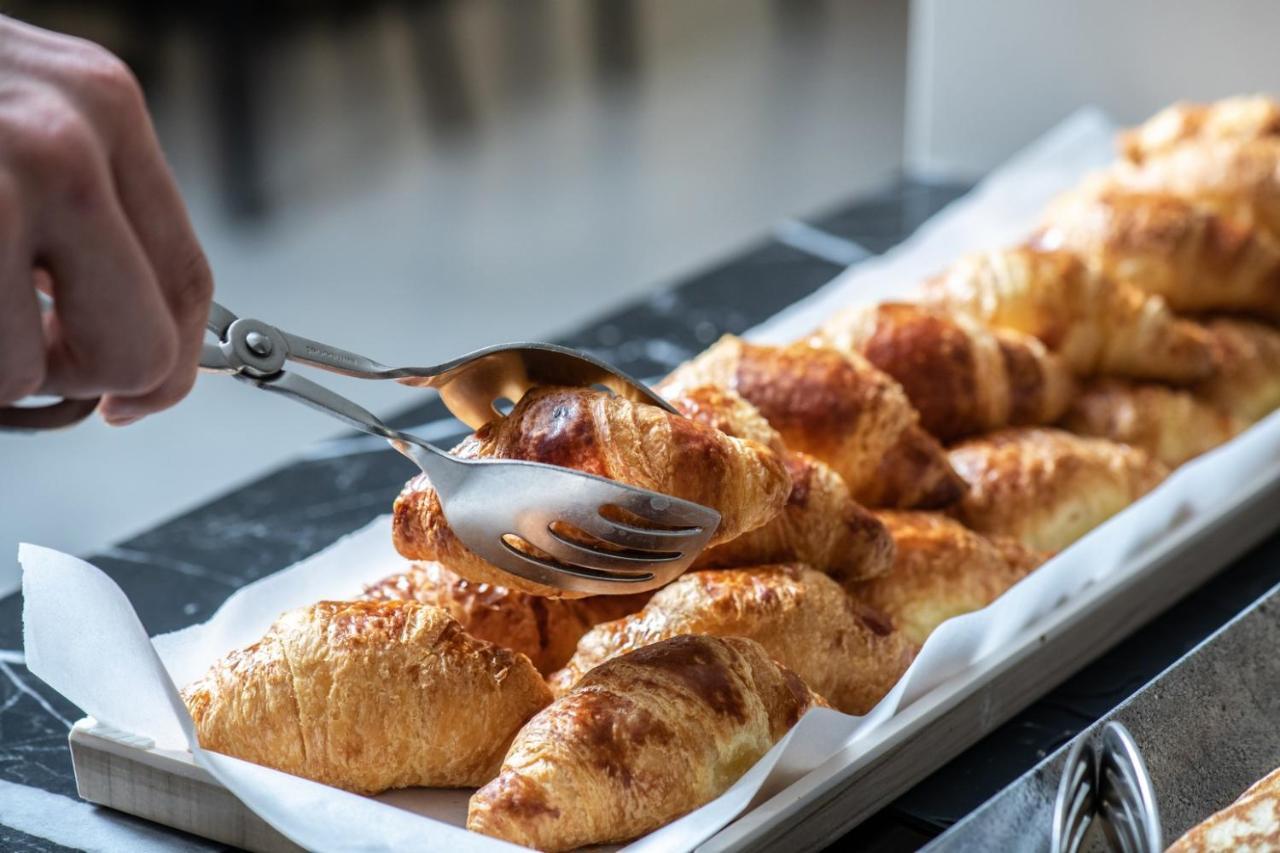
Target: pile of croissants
(908, 462)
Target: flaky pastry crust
(942, 569)
(1099, 326)
(600, 434)
(368, 696)
(842, 648)
(962, 377)
(546, 630)
(1046, 487)
(1173, 425)
(1197, 260)
(1246, 360)
(820, 524)
(641, 740)
(1237, 118)
(1251, 823)
(836, 407)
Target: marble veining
(34, 721)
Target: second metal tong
(487, 502)
(1112, 783)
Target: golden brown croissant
(820, 525)
(1246, 381)
(642, 740)
(545, 629)
(1251, 823)
(836, 407)
(962, 377)
(843, 649)
(1194, 258)
(600, 434)
(1171, 424)
(1240, 117)
(368, 696)
(726, 410)
(1045, 487)
(1236, 178)
(942, 569)
(1099, 326)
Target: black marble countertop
(179, 572)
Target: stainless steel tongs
(487, 502)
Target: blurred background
(415, 179)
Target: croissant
(1170, 424)
(1236, 178)
(843, 649)
(1099, 326)
(836, 407)
(1240, 117)
(962, 377)
(820, 524)
(546, 630)
(368, 696)
(1246, 381)
(725, 410)
(642, 740)
(942, 569)
(1251, 823)
(1045, 487)
(1194, 258)
(600, 434)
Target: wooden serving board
(127, 773)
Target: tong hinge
(253, 348)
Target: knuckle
(52, 142)
(106, 80)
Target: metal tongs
(1112, 783)
(492, 505)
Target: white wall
(986, 76)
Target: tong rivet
(258, 343)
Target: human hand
(90, 213)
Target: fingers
(21, 339)
(104, 215)
(111, 331)
(154, 208)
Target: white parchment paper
(83, 637)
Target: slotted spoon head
(1126, 796)
(1073, 808)
(597, 536)
(470, 386)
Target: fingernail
(122, 420)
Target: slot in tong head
(497, 508)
